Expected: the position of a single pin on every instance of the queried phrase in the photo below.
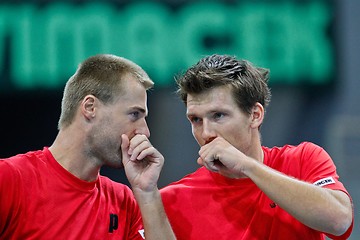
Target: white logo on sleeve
(324, 181)
(142, 233)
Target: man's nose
(208, 132)
(143, 128)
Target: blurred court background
(311, 47)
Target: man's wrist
(146, 197)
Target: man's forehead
(218, 94)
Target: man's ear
(88, 107)
(257, 115)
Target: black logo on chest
(114, 222)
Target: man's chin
(117, 165)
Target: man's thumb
(125, 142)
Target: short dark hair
(249, 83)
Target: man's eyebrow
(140, 109)
(191, 116)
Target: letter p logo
(114, 222)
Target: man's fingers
(140, 151)
(140, 148)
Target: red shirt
(41, 200)
(207, 205)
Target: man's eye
(195, 119)
(218, 115)
(135, 114)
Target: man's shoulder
(292, 148)
(21, 161)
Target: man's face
(214, 113)
(125, 116)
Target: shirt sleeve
(320, 170)
(9, 196)
(136, 228)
